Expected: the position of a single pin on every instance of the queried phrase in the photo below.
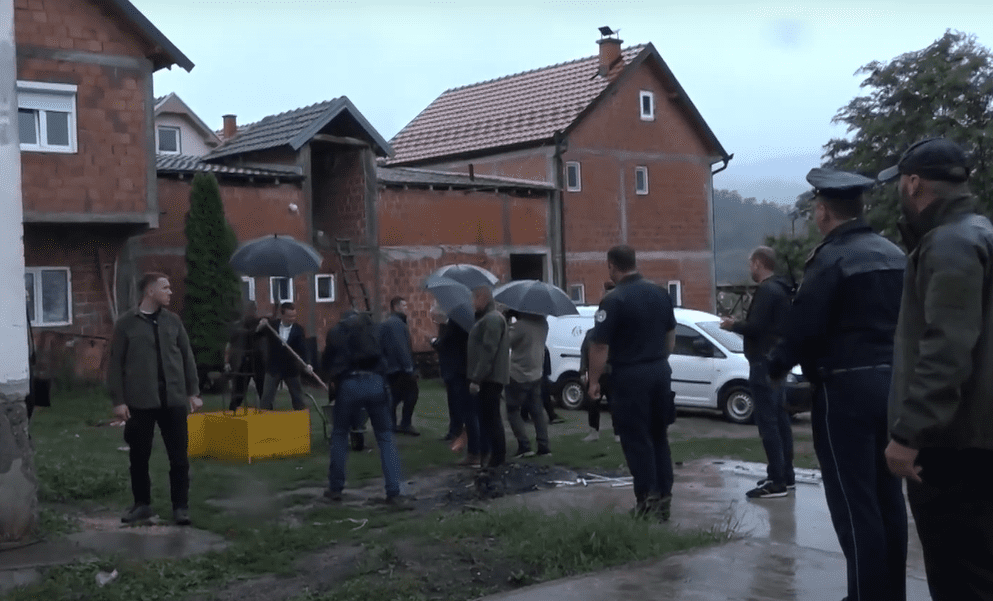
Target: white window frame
(39, 313)
(577, 293)
(579, 177)
(334, 288)
(179, 139)
(641, 191)
(677, 298)
(42, 98)
(251, 287)
(650, 115)
(272, 289)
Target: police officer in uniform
(840, 330)
(635, 332)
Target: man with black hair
(152, 379)
(941, 408)
(287, 336)
(635, 333)
(355, 362)
(401, 372)
(840, 330)
(761, 329)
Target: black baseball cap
(934, 159)
(839, 185)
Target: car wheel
(571, 395)
(737, 405)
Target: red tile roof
(517, 109)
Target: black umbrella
(275, 256)
(468, 275)
(455, 300)
(532, 296)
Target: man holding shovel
(285, 340)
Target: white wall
(191, 143)
(13, 321)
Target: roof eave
(382, 147)
(461, 156)
(166, 54)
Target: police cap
(839, 185)
(933, 159)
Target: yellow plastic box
(249, 434)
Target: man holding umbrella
(527, 353)
(488, 370)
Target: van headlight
(791, 378)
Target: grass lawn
(412, 555)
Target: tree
(213, 290)
(945, 90)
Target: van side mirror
(702, 348)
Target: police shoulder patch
(600, 316)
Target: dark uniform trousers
(404, 391)
(953, 510)
(250, 368)
(642, 408)
(865, 500)
(139, 431)
(492, 439)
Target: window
(324, 290)
(676, 292)
(247, 288)
(647, 100)
(49, 295)
(641, 180)
(573, 179)
(168, 140)
(46, 116)
(280, 290)
(577, 292)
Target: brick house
(401, 223)
(627, 152)
(84, 71)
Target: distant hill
(740, 225)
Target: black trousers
(139, 431)
(491, 423)
(249, 369)
(865, 500)
(642, 407)
(953, 510)
(404, 390)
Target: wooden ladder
(354, 287)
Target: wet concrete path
(786, 550)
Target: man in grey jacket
(527, 354)
(400, 370)
(152, 379)
(941, 401)
(488, 370)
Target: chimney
(230, 126)
(610, 54)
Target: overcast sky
(767, 77)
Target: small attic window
(647, 100)
(573, 177)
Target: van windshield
(730, 340)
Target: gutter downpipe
(713, 229)
(556, 212)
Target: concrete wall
(18, 485)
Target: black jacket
(452, 346)
(845, 312)
(281, 362)
(766, 317)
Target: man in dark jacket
(761, 329)
(283, 366)
(243, 358)
(840, 330)
(152, 379)
(452, 347)
(488, 370)
(400, 369)
(941, 406)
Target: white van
(709, 369)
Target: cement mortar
(18, 481)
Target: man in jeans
(761, 330)
(152, 380)
(527, 353)
(488, 370)
(355, 360)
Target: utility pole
(18, 483)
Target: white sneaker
(593, 436)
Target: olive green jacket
(489, 349)
(132, 377)
(942, 391)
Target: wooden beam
(347, 141)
